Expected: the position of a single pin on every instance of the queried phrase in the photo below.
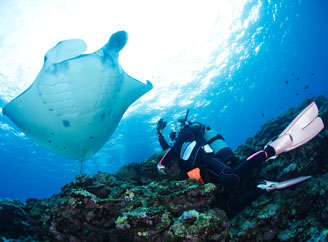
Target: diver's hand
(161, 124)
(161, 169)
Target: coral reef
(125, 212)
(13, 218)
(137, 204)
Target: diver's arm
(162, 141)
(161, 124)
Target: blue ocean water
(276, 62)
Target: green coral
(122, 222)
(195, 226)
(209, 188)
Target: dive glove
(161, 124)
(161, 169)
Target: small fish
(262, 115)
(297, 79)
(297, 94)
(286, 82)
(292, 73)
(312, 74)
(306, 87)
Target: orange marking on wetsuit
(195, 173)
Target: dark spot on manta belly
(66, 123)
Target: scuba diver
(202, 153)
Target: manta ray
(77, 100)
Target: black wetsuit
(217, 170)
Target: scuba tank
(219, 146)
(206, 136)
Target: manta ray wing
(76, 101)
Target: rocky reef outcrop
(137, 204)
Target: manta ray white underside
(76, 101)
